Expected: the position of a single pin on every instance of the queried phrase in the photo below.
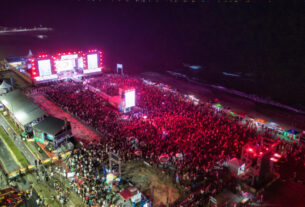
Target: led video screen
(69, 57)
(44, 67)
(64, 65)
(130, 98)
(92, 61)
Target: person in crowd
(173, 125)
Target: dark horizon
(262, 41)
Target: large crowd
(89, 181)
(169, 125)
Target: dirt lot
(79, 130)
(152, 182)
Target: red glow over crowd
(163, 123)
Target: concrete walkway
(18, 141)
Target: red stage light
(250, 150)
(277, 155)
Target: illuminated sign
(64, 65)
(69, 57)
(130, 98)
(92, 61)
(50, 77)
(44, 67)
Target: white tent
(30, 53)
(5, 87)
(236, 166)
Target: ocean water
(260, 42)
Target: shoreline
(286, 118)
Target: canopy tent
(218, 105)
(51, 125)
(272, 125)
(22, 108)
(5, 85)
(116, 101)
(233, 113)
(291, 134)
(164, 158)
(292, 131)
(261, 121)
(226, 198)
(138, 152)
(131, 193)
(126, 194)
(236, 166)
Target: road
(6, 159)
(18, 141)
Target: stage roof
(14, 59)
(23, 108)
(50, 125)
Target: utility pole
(167, 198)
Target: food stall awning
(126, 194)
(272, 125)
(260, 121)
(292, 131)
(232, 113)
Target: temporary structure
(5, 87)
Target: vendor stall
(131, 194)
